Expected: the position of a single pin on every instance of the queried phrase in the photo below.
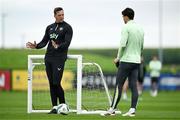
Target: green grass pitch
(166, 106)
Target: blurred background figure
(141, 75)
(125, 89)
(155, 67)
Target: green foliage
(17, 58)
(170, 55)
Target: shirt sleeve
(68, 37)
(124, 37)
(44, 41)
(150, 65)
(120, 52)
(123, 41)
(160, 65)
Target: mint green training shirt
(131, 44)
(155, 68)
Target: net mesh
(94, 96)
(93, 92)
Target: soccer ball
(62, 109)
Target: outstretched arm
(31, 45)
(42, 44)
(44, 41)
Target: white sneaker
(140, 92)
(130, 113)
(110, 112)
(154, 93)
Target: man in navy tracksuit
(58, 37)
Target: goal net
(85, 89)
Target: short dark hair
(57, 9)
(128, 12)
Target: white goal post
(79, 75)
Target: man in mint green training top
(129, 58)
(155, 68)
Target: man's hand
(54, 44)
(116, 62)
(31, 45)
